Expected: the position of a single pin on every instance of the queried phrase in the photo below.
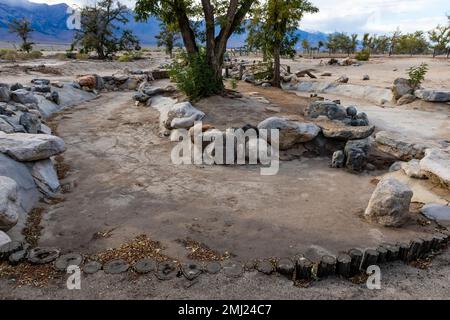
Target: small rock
(366, 77)
(42, 88)
(191, 270)
(9, 207)
(401, 87)
(351, 111)
(265, 267)
(326, 74)
(5, 94)
(18, 257)
(16, 86)
(23, 96)
(4, 238)
(266, 85)
(396, 166)
(70, 259)
(338, 160)
(116, 266)
(167, 270)
(389, 204)
(9, 248)
(232, 269)
(141, 97)
(286, 267)
(213, 267)
(356, 154)
(43, 255)
(342, 79)
(92, 267)
(145, 266)
(30, 122)
(406, 99)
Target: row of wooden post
(355, 261)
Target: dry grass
(33, 228)
(31, 275)
(201, 252)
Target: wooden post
(289, 69)
(227, 72)
(370, 258)
(415, 250)
(303, 268)
(343, 265)
(241, 71)
(426, 247)
(382, 255)
(392, 251)
(438, 241)
(403, 251)
(327, 266)
(356, 256)
(286, 267)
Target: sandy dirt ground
(124, 182)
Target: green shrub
(363, 55)
(233, 83)
(82, 56)
(193, 76)
(417, 74)
(33, 55)
(125, 58)
(9, 54)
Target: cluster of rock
(404, 92)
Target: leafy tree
(305, 45)
(167, 38)
(226, 15)
(440, 39)
(393, 41)
(273, 27)
(320, 45)
(367, 41)
(22, 28)
(354, 42)
(99, 29)
(412, 43)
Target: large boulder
(24, 97)
(400, 146)
(402, 87)
(290, 132)
(340, 131)
(389, 204)
(45, 177)
(326, 108)
(30, 147)
(436, 165)
(4, 238)
(433, 95)
(28, 194)
(9, 209)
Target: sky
(359, 16)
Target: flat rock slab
(437, 164)
(116, 266)
(265, 267)
(9, 248)
(145, 266)
(70, 259)
(401, 146)
(92, 267)
(191, 270)
(340, 131)
(30, 147)
(436, 212)
(433, 95)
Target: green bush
(32, 55)
(130, 56)
(82, 56)
(363, 55)
(193, 76)
(8, 54)
(417, 74)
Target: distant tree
(306, 46)
(412, 43)
(440, 39)
(167, 38)
(320, 45)
(354, 42)
(367, 41)
(22, 28)
(99, 29)
(273, 27)
(393, 40)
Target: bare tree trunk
(276, 82)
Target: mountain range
(49, 23)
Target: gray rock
(5, 126)
(66, 260)
(400, 146)
(141, 97)
(116, 266)
(40, 82)
(23, 96)
(181, 116)
(53, 97)
(28, 194)
(389, 204)
(9, 208)
(342, 79)
(436, 165)
(5, 94)
(30, 147)
(338, 160)
(191, 270)
(266, 85)
(30, 122)
(412, 169)
(92, 267)
(16, 86)
(401, 87)
(352, 111)
(366, 77)
(436, 212)
(396, 166)
(167, 270)
(45, 129)
(290, 132)
(406, 99)
(42, 88)
(356, 154)
(433, 95)
(4, 238)
(340, 131)
(145, 266)
(326, 108)
(43, 255)
(45, 177)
